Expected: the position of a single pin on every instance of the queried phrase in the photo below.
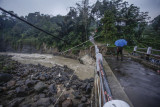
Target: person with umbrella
(120, 43)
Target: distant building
(122, 23)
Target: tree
(108, 26)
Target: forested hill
(112, 19)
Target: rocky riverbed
(28, 85)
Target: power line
(30, 24)
(78, 45)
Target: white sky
(55, 7)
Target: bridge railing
(102, 92)
(148, 54)
(147, 51)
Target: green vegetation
(112, 19)
(6, 64)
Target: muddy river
(141, 84)
(83, 71)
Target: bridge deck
(140, 83)
(116, 89)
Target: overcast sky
(55, 7)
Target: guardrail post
(135, 49)
(149, 50)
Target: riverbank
(83, 71)
(24, 84)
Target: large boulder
(21, 91)
(29, 83)
(82, 105)
(15, 102)
(43, 102)
(87, 60)
(40, 86)
(83, 99)
(52, 89)
(88, 88)
(4, 77)
(11, 83)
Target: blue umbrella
(121, 42)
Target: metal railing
(102, 92)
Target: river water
(82, 71)
(141, 84)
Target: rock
(47, 76)
(35, 98)
(67, 103)
(21, 91)
(1, 89)
(20, 83)
(25, 73)
(88, 96)
(83, 87)
(29, 83)
(62, 99)
(91, 80)
(4, 77)
(53, 100)
(65, 67)
(45, 91)
(83, 99)
(74, 87)
(35, 77)
(15, 102)
(42, 78)
(10, 93)
(88, 103)
(88, 88)
(42, 95)
(11, 83)
(74, 77)
(4, 88)
(40, 86)
(82, 105)
(77, 95)
(27, 105)
(61, 79)
(43, 102)
(52, 89)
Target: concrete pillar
(149, 50)
(135, 49)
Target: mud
(141, 84)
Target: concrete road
(141, 84)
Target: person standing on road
(120, 51)
(120, 43)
